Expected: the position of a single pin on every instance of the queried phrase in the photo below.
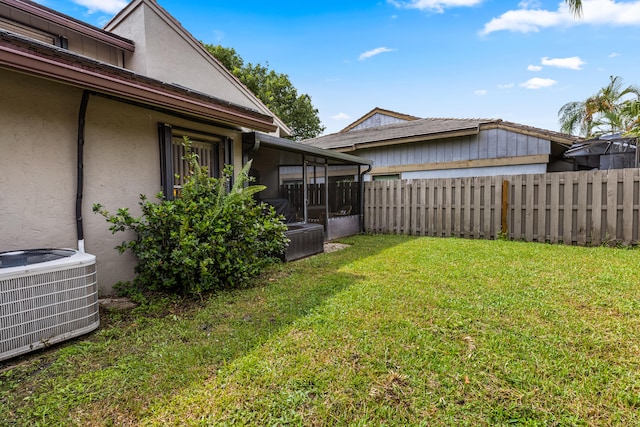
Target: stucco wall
(121, 162)
(38, 134)
(37, 177)
(163, 53)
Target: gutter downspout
(362, 174)
(251, 142)
(80, 169)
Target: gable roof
(381, 111)
(425, 130)
(191, 75)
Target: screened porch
(308, 185)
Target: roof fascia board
(30, 63)
(77, 26)
(569, 139)
(419, 138)
(296, 147)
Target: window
(208, 147)
(33, 33)
(386, 177)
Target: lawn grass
(391, 331)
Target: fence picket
(596, 209)
(627, 206)
(457, 217)
(528, 208)
(406, 220)
(516, 203)
(581, 211)
(466, 222)
(476, 208)
(612, 205)
(486, 209)
(541, 232)
(567, 209)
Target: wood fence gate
(582, 208)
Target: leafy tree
(606, 112)
(275, 90)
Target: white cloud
(534, 67)
(480, 92)
(614, 55)
(594, 12)
(106, 6)
(374, 52)
(529, 4)
(572, 63)
(538, 83)
(341, 116)
(506, 86)
(437, 6)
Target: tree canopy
(275, 90)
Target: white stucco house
(92, 115)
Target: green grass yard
(390, 331)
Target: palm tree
(575, 6)
(608, 111)
(631, 110)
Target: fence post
(505, 207)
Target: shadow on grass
(136, 360)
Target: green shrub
(207, 238)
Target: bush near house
(208, 238)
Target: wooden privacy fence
(583, 208)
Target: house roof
(381, 111)
(31, 57)
(425, 130)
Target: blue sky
(518, 61)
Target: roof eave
(531, 131)
(296, 147)
(148, 92)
